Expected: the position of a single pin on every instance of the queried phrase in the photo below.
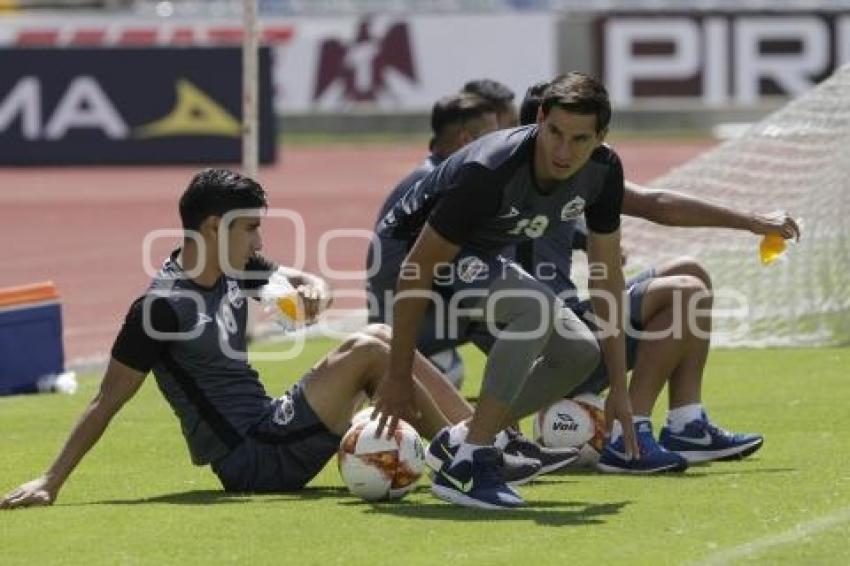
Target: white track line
(760, 545)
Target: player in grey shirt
(505, 188)
(189, 330)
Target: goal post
(250, 55)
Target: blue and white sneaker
(515, 469)
(476, 483)
(701, 441)
(653, 458)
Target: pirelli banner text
(131, 106)
(720, 59)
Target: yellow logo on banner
(8, 6)
(194, 114)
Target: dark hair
(581, 94)
(531, 103)
(456, 110)
(493, 91)
(215, 192)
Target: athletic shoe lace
(488, 473)
(514, 434)
(646, 444)
(716, 430)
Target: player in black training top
(505, 188)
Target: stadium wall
(665, 69)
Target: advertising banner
(127, 105)
(721, 59)
(398, 64)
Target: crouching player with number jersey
(456, 120)
(189, 330)
(508, 187)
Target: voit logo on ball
(565, 423)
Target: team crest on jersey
(234, 294)
(284, 410)
(471, 268)
(573, 209)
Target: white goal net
(798, 160)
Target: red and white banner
(380, 64)
(405, 64)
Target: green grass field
(137, 499)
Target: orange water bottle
(280, 300)
(290, 306)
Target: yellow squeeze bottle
(771, 248)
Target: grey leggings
(542, 350)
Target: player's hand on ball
(394, 401)
(619, 407)
(31, 494)
(777, 222)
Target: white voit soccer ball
(578, 422)
(380, 468)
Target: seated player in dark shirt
(189, 329)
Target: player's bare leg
(356, 366)
(675, 355)
(689, 432)
(658, 357)
(656, 360)
(685, 266)
(685, 384)
(451, 403)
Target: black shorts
(287, 448)
(434, 332)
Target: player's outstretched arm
(395, 394)
(676, 209)
(119, 384)
(607, 288)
